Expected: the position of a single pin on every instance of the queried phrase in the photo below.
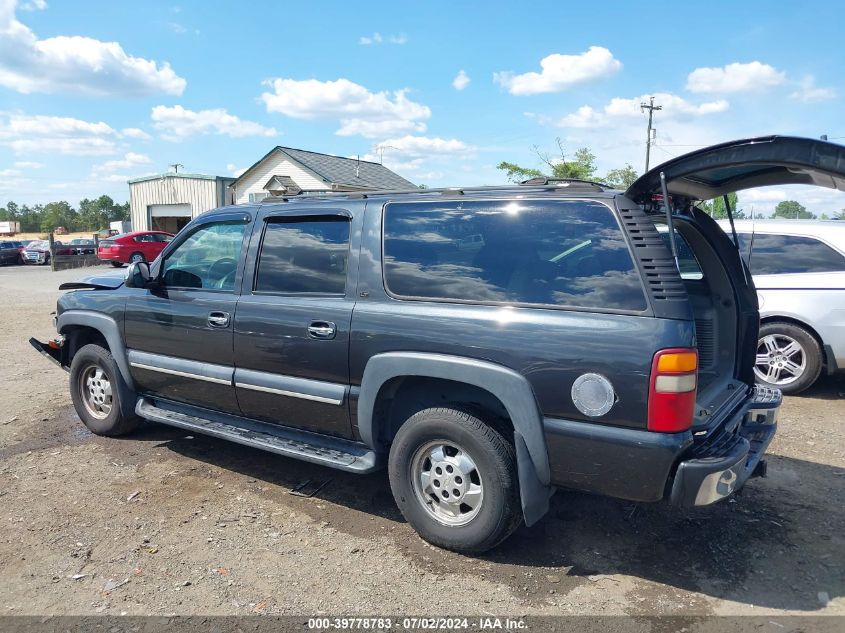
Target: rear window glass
(561, 253)
(304, 257)
(785, 254)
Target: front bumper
(721, 463)
(53, 350)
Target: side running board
(310, 447)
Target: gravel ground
(163, 522)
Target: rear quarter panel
(550, 347)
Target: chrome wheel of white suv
(781, 360)
(789, 357)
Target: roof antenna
(176, 166)
(358, 167)
(669, 221)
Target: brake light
(671, 395)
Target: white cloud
(135, 132)
(359, 111)
(63, 135)
(235, 170)
(33, 5)
(461, 80)
(366, 40)
(377, 38)
(560, 72)
(10, 173)
(809, 92)
(424, 158)
(28, 164)
(177, 28)
(75, 64)
(177, 123)
(737, 77)
(619, 108)
(129, 160)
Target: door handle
(218, 319)
(322, 330)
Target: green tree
(580, 166)
(839, 215)
(621, 178)
(716, 209)
(56, 214)
(792, 210)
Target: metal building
(167, 202)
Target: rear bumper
(644, 466)
(722, 462)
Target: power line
(651, 108)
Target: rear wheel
(454, 480)
(788, 357)
(117, 264)
(100, 397)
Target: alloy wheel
(781, 360)
(447, 482)
(96, 391)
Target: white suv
(799, 271)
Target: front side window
(562, 253)
(304, 256)
(207, 259)
(785, 254)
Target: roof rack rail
(545, 180)
(551, 184)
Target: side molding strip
(208, 372)
(174, 372)
(291, 386)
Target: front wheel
(788, 357)
(137, 258)
(454, 479)
(99, 395)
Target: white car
(798, 268)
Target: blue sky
(94, 92)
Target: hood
(95, 282)
(757, 162)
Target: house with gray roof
(288, 171)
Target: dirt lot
(163, 522)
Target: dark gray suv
(487, 345)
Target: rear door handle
(218, 319)
(323, 330)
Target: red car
(140, 246)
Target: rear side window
(304, 257)
(560, 253)
(785, 254)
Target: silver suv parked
(799, 271)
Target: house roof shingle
(337, 170)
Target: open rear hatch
(722, 295)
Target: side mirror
(137, 275)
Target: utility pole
(176, 166)
(651, 108)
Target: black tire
(117, 264)
(811, 352)
(120, 419)
(137, 257)
(499, 512)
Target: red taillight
(672, 390)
